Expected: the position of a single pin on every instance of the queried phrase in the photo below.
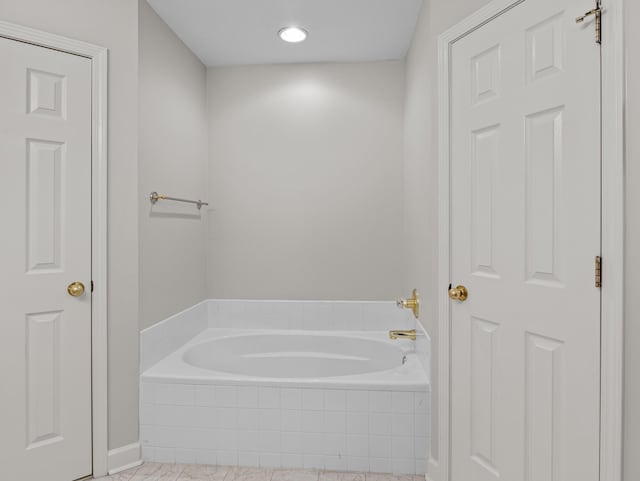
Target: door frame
(612, 294)
(99, 159)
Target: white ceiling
(236, 32)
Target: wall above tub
(305, 180)
(172, 125)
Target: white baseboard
(433, 472)
(125, 457)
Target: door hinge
(598, 271)
(597, 13)
(92, 286)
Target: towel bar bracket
(155, 197)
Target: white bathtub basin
(329, 359)
(294, 355)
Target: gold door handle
(459, 293)
(75, 289)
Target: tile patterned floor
(192, 472)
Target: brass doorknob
(75, 289)
(459, 293)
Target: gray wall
(306, 181)
(421, 167)
(172, 156)
(632, 254)
(112, 24)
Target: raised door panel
(543, 219)
(47, 94)
(43, 378)
(486, 75)
(485, 145)
(544, 409)
(45, 164)
(544, 54)
(483, 395)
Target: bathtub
(317, 399)
(294, 356)
(363, 360)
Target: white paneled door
(45, 210)
(525, 232)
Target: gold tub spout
(403, 334)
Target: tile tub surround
(340, 426)
(310, 315)
(277, 427)
(163, 338)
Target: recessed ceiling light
(292, 34)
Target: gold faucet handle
(412, 303)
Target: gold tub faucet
(403, 334)
(412, 303)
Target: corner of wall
(172, 152)
(123, 458)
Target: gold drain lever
(403, 335)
